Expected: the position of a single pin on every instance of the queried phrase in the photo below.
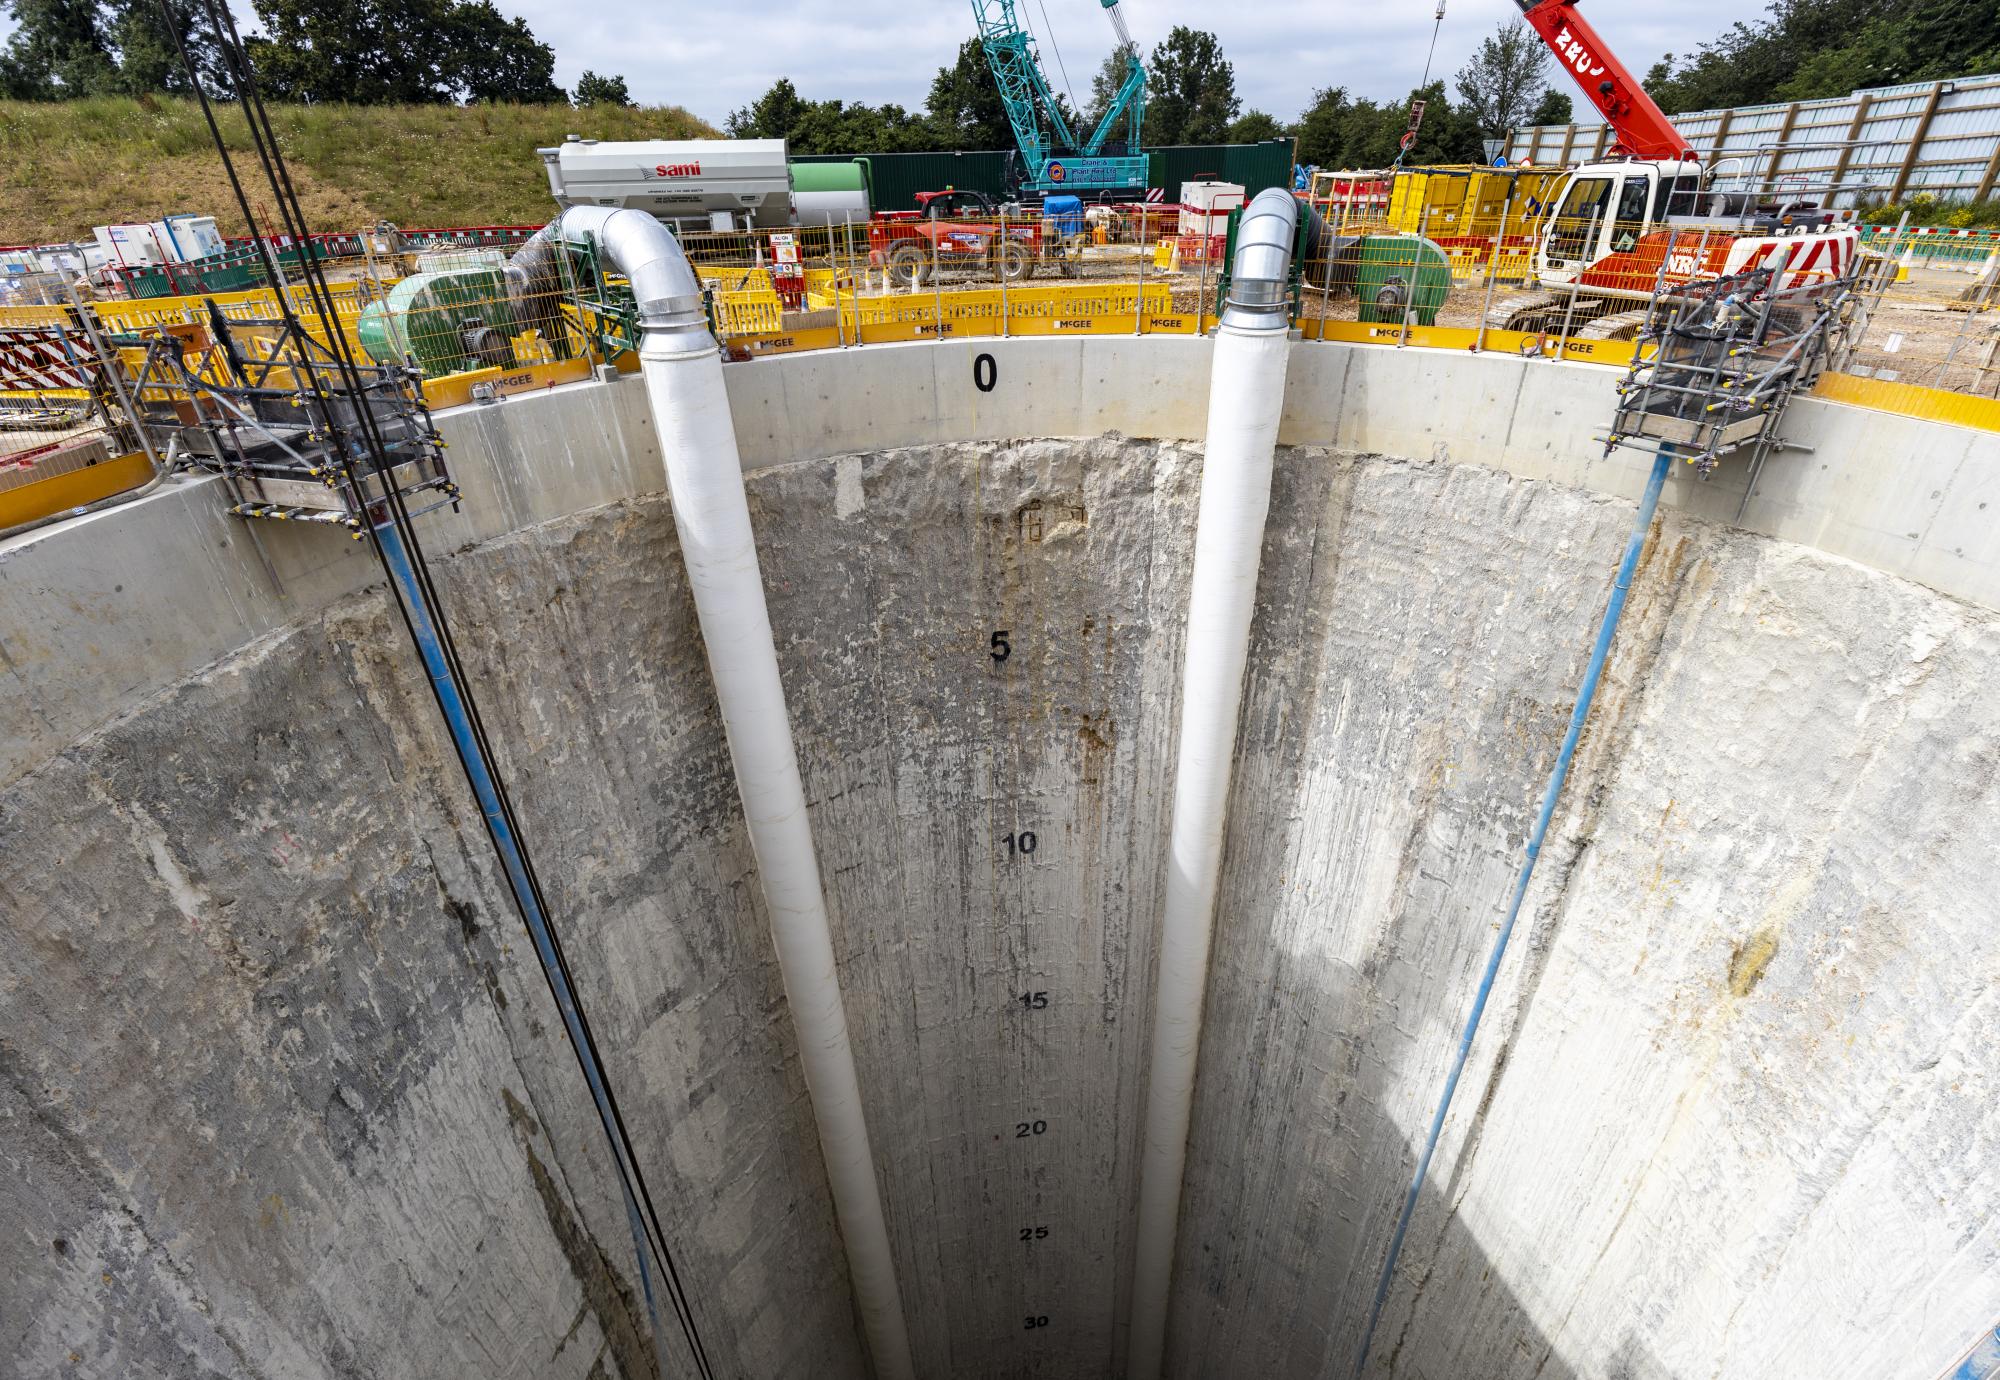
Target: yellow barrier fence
(47, 490)
(1911, 400)
(1130, 275)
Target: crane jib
(1057, 160)
(1643, 129)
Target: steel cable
(292, 216)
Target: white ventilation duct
(1246, 393)
(682, 370)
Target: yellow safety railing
(1158, 271)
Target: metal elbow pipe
(664, 284)
(682, 371)
(1260, 275)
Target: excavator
(1650, 212)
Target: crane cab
(1604, 208)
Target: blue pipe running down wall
(479, 771)
(1980, 1363)
(1642, 523)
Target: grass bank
(67, 166)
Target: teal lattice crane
(1055, 159)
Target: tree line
(369, 52)
(1807, 49)
(360, 52)
(1803, 49)
(1191, 98)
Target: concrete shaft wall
(286, 1092)
(1732, 1110)
(285, 1095)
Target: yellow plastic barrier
(1613, 352)
(58, 493)
(455, 390)
(1911, 400)
(745, 301)
(1054, 301)
(1447, 203)
(744, 313)
(34, 316)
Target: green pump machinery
(1399, 274)
(469, 316)
(446, 321)
(1390, 275)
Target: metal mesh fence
(1480, 264)
(1930, 314)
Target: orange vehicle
(955, 230)
(1650, 212)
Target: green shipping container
(1254, 166)
(896, 178)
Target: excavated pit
(284, 1093)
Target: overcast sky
(715, 55)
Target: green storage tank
(830, 193)
(848, 175)
(894, 179)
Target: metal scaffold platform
(264, 405)
(1720, 359)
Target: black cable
(322, 297)
(1428, 56)
(292, 215)
(1060, 65)
(284, 192)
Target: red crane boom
(1643, 129)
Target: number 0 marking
(985, 373)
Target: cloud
(714, 56)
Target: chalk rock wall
(284, 1093)
(1734, 1108)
